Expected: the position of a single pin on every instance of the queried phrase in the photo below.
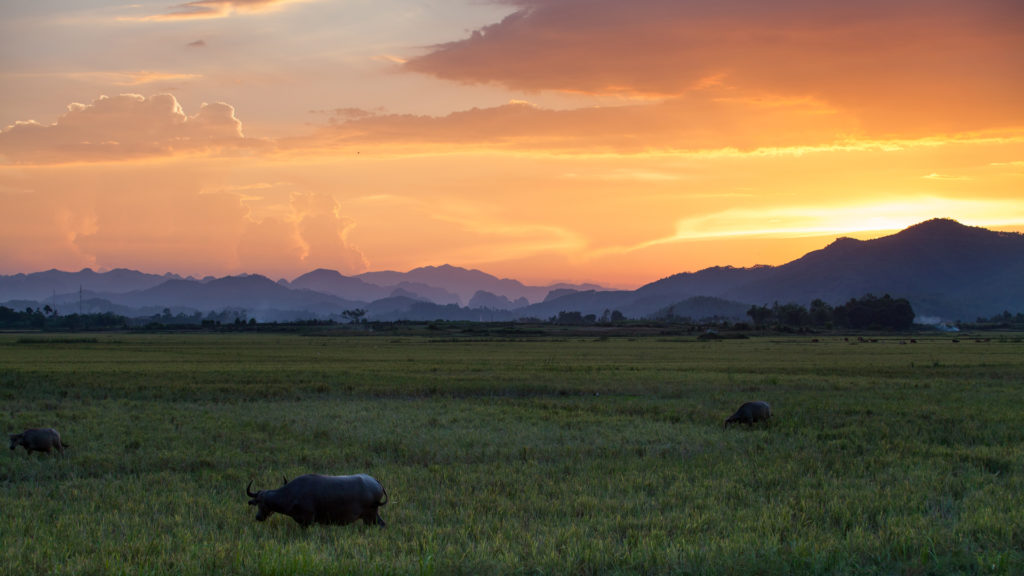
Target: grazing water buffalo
(749, 413)
(323, 499)
(38, 439)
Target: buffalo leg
(373, 518)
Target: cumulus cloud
(897, 66)
(305, 232)
(323, 234)
(118, 127)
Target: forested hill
(945, 269)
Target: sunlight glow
(613, 141)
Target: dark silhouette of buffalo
(323, 499)
(749, 413)
(39, 440)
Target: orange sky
(545, 140)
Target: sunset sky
(606, 141)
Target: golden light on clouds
(132, 78)
(547, 140)
(216, 9)
(801, 221)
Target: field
(538, 455)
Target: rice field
(543, 454)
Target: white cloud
(122, 126)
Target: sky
(548, 141)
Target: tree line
(46, 318)
(868, 312)
(1003, 320)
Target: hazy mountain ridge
(946, 270)
(317, 294)
(39, 285)
(466, 283)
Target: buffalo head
(260, 499)
(256, 499)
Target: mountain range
(948, 271)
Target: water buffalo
(323, 499)
(749, 413)
(38, 439)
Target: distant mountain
(258, 295)
(133, 288)
(439, 284)
(42, 285)
(947, 270)
(466, 283)
(702, 308)
(484, 299)
(706, 282)
(422, 291)
(332, 282)
(944, 268)
(585, 301)
(393, 309)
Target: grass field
(575, 455)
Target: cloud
(266, 244)
(132, 78)
(811, 220)
(289, 229)
(898, 67)
(943, 177)
(323, 234)
(140, 216)
(162, 216)
(124, 126)
(733, 127)
(683, 123)
(212, 9)
(115, 78)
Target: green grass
(530, 456)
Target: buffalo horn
(248, 490)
